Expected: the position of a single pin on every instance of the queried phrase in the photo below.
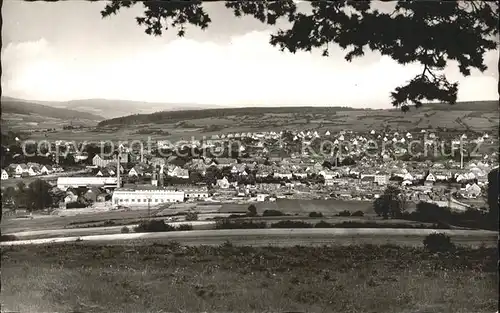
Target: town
(249, 156)
(265, 166)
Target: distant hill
(116, 108)
(489, 106)
(22, 107)
(178, 116)
(175, 116)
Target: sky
(65, 51)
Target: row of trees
(38, 195)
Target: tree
(391, 203)
(252, 210)
(493, 200)
(38, 195)
(9, 195)
(428, 32)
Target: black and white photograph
(249, 156)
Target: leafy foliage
(291, 224)
(344, 213)
(226, 224)
(191, 216)
(427, 32)
(358, 213)
(273, 213)
(184, 227)
(153, 226)
(35, 197)
(390, 204)
(493, 200)
(125, 230)
(252, 210)
(438, 242)
(315, 214)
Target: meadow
(173, 278)
(177, 125)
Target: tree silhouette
(493, 200)
(428, 32)
(391, 203)
(38, 195)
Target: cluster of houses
(29, 170)
(257, 174)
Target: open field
(279, 237)
(301, 207)
(177, 125)
(173, 278)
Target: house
(103, 173)
(103, 197)
(179, 172)
(238, 168)
(282, 173)
(472, 191)
(135, 171)
(331, 182)
(46, 169)
(70, 197)
(329, 174)
(367, 179)
(429, 180)
(225, 162)
(102, 162)
(380, 179)
(5, 175)
(261, 197)
(21, 168)
(223, 183)
(92, 194)
(34, 170)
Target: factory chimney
(118, 168)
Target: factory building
(146, 196)
(64, 183)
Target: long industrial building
(64, 183)
(146, 196)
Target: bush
(252, 210)
(226, 224)
(191, 216)
(272, 213)
(8, 238)
(344, 213)
(358, 213)
(323, 224)
(291, 224)
(315, 214)
(438, 242)
(441, 225)
(184, 227)
(153, 226)
(75, 205)
(125, 230)
(108, 223)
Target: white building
(64, 183)
(144, 197)
(5, 175)
(380, 179)
(194, 192)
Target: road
(87, 231)
(281, 237)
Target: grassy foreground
(173, 278)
